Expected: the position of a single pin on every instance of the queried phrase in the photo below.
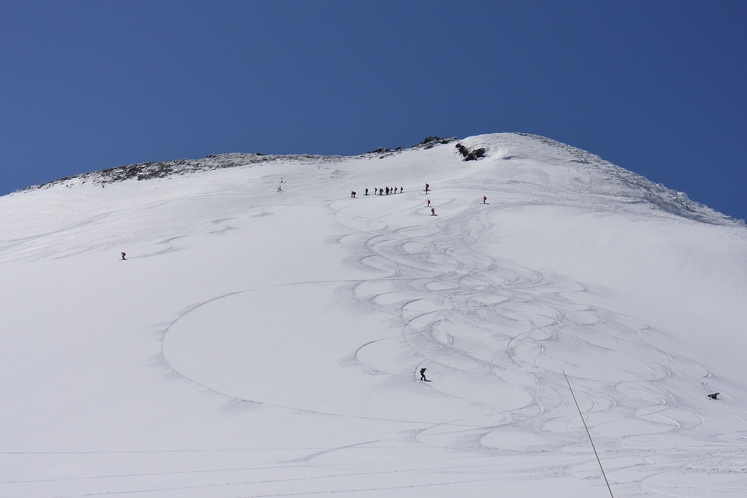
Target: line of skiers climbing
(390, 190)
(380, 191)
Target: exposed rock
(471, 155)
(163, 169)
(462, 149)
(429, 142)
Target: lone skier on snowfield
(422, 374)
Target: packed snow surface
(265, 334)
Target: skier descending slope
(422, 374)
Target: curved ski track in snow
(498, 336)
(225, 386)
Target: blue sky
(655, 87)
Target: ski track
(479, 317)
(475, 319)
(478, 293)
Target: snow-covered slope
(264, 335)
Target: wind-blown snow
(265, 342)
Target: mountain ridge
(656, 194)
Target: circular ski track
(494, 336)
